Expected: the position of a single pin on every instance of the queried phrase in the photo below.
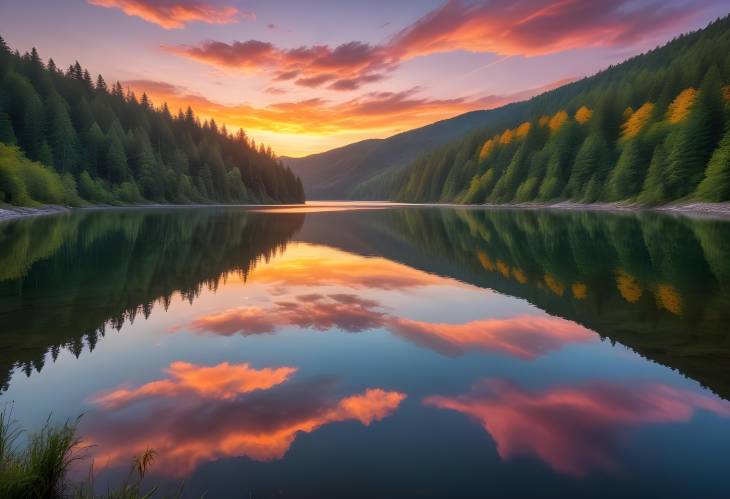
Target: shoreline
(688, 209)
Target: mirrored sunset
(345, 249)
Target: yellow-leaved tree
(486, 150)
(557, 121)
(523, 129)
(636, 122)
(506, 137)
(583, 115)
(681, 105)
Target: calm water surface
(398, 352)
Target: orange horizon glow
(301, 127)
(308, 265)
(306, 78)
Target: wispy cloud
(373, 112)
(175, 14)
(507, 28)
(524, 337)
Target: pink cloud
(348, 65)
(575, 430)
(524, 337)
(175, 14)
(536, 27)
(506, 27)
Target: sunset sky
(305, 77)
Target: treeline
(653, 129)
(69, 139)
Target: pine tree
(7, 135)
(100, 84)
(591, 158)
(698, 136)
(62, 137)
(627, 176)
(716, 185)
(94, 142)
(654, 190)
(116, 167)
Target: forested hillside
(368, 169)
(66, 138)
(653, 129)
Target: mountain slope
(364, 170)
(624, 111)
(653, 129)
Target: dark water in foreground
(405, 352)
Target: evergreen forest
(67, 138)
(652, 130)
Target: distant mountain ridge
(365, 169)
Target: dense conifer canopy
(653, 129)
(67, 138)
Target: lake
(377, 351)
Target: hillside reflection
(65, 279)
(657, 284)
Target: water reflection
(201, 413)
(260, 345)
(658, 284)
(65, 280)
(521, 336)
(574, 429)
(221, 382)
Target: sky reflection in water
(326, 337)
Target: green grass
(40, 469)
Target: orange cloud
(524, 337)
(175, 14)
(223, 381)
(189, 429)
(375, 111)
(575, 430)
(374, 114)
(523, 27)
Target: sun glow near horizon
(297, 81)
